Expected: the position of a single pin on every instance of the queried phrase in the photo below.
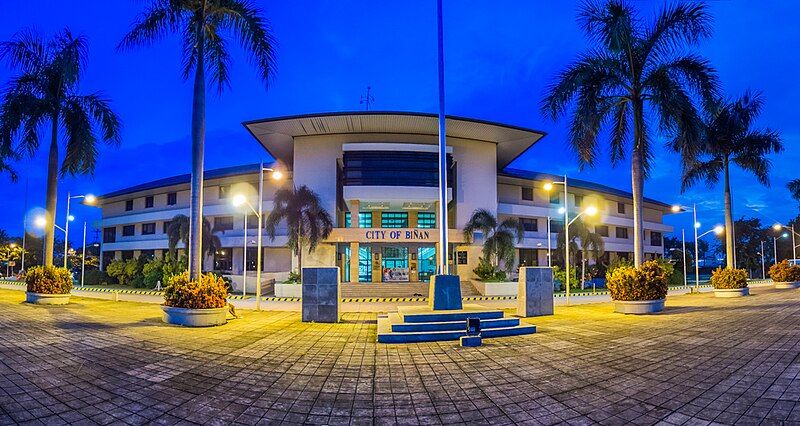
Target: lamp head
(238, 200)
(777, 226)
(70, 218)
(676, 208)
(697, 224)
(561, 210)
(40, 221)
(277, 175)
(785, 235)
(719, 229)
(89, 199)
(590, 211)
(548, 186)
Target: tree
(581, 240)
(178, 231)
(205, 27)
(46, 93)
(794, 188)
(499, 237)
(727, 137)
(749, 235)
(307, 221)
(636, 73)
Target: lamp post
(238, 200)
(40, 222)
(549, 237)
(83, 254)
(24, 237)
(717, 230)
(763, 268)
(90, 199)
(778, 227)
(244, 258)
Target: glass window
(621, 208)
(556, 226)
(223, 191)
(128, 205)
(554, 199)
(528, 257)
(148, 254)
(601, 230)
(347, 220)
(394, 220)
(393, 168)
(128, 230)
(365, 264)
(165, 227)
(622, 233)
(529, 224)
(655, 239)
(426, 220)
(127, 254)
(148, 228)
(172, 198)
(578, 200)
(527, 194)
(365, 219)
(222, 260)
(252, 221)
(148, 202)
(110, 234)
(223, 223)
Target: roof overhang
(277, 134)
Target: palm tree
(582, 240)
(727, 137)
(178, 231)
(306, 219)
(794, 188)
(45, 93)
(636, 73)
(499, 237)
(205, 27)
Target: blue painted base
(444, 293)
(470, 341)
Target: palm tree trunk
(198, 146)
(52, 195)
(637, 183)
(728, 220)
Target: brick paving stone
(702, 361)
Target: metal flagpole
(443, 226)
(260, 231)
(244, 258)
(83, 254)
(763, 268)
(566, 238)
(549, 255)
(683, 237)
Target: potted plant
(291, 287)
(199, 303)
(638, 290)
(784, 275)
(48, 285)
(729, 282)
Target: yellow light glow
(590, 211)
(676, 208)
(277, 175)
(561, 210)
(13, 245)
(40, 221)
(697, 224)
(238, 200)
(89, 199)
(777, 227)
(548, 186)
(719, 229)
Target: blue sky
(500, 55)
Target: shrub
(560, 278)
(116, 270)
(173, 267)
(729, 278)
(648, 282)
(294, 278)
(96, 277)
(617, 263)
(207, 292)
(488, 272)
(784, 272)
(48, 280)
(153, 272)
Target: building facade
(376, 173)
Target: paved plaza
(703, 360)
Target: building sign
(397, 235)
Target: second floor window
(165, 227)
(172, 198)
(556, 226)
(426, 220)
(601, 230)
(621, 208)
(527, 194)
(622, 233)
(148, 202)
(394, 220)
(148, 228)
(252, 221)
(554, 198)
(128, 230)
(110, 234)
(128, 205)
(655, 239)
(223, 191)
(528, 224)
(223, 223)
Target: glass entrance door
(365, 264)
(395, 264)
(427, 263)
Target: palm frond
(482, 220)
(612, 23)
(161, 18)
(254, 33)
(676, 25)
(794, 187)
(26, 51)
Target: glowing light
(590, 211)
(70, 218)
(777, 226)
(548, 186)
(40, 221)
(89, 199)
(785, 235)
(697, 224)
(719, 229)
(277, 175)
(561, 210)
(238, 200)
(676, 208)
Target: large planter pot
(731, 292)
(496, 288)
(787, 285)
(639, 306)
(288, 290)
(46, 299)
(195, 317)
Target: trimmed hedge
(729, 278)
(209, 291)
(783, 272)
(48, 280)
(648, 282)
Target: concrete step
(438, 336)
(400, 327)
(420, 314)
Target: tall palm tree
(499, 237)
(794, 188)
(728, 137)
(45, 93)
(306, 219)
(178, 231)
(205, 28)
(636, 73)
(581, 239)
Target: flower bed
(198, 303)
(638, 290)
(48, 285)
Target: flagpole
(443, 225)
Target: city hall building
(376, 173)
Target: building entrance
(395, 264)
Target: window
(148, 202)
(601, 230)
(222, 260)
(223, 223)
(347, 220)
(655, 239)
(554, 198)
(461, 258)
(394, 220)
(622, 233)
(165, 227)
(223, 191)
(527, 194)
(110, 234)
(128, 230)
(172, 198)
(252, 221)
(556, 226)
(621, 208)
(393, 168)
(365, 219)
(127, 254)
(528, 224)
(128, 205)
(426, 220)
(578, 200)
(149, 228)
(148, 254)
(528, 257)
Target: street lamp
(88, 199)
(239, 200)
(717, 230)
(778, 227)
(40, 222)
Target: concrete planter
(731, 292)
(496, 288)
(288, 290)
(46, 299)
(639, 306)
(195, 317)
(787, 285)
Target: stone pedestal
(535, 295)
(321, 294)
(444, 293)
